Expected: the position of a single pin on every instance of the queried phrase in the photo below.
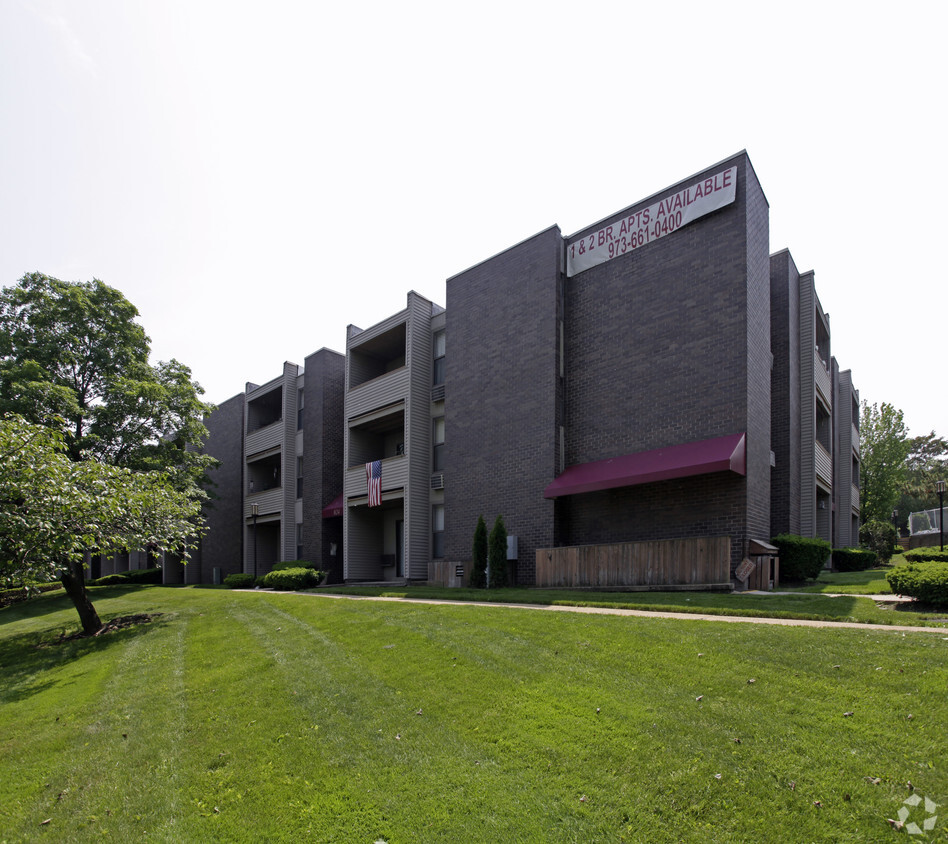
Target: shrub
(291, 580)
(926, 555)
(853, 559)
(24, 593)
(294, 564)
(926, 582)
(126, 578)
(801, 558)
(239, 580)
(479, 555)
(497, 554)
(879, 537)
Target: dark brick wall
(785, 381)
(670, 344)
(758, 424)
(502, 389)
(222, 545)
(324, 375)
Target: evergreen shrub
(926, 555)
(801, 558)
(497, 554)
(479, 555)
(294, 564)
(926, 582)
(853, 559)
(291, 580)
(239, 580)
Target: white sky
(254, 176)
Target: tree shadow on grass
(28, 660)
(51, 602)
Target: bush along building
(646, 402)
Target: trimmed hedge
(801, 558)
(239, 580)
(294, 564)
(291, 580)
(926, 555)
(22, 593)
(853, 559)
(127, 578)
(926, 582)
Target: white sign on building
(662, 218)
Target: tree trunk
(74, 581)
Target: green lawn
(242, 716)
(871, 582)
(755, 605)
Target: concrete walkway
(782, 622)
(881, 599)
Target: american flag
(373, 475)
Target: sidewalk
(735, 619)
(888, 598)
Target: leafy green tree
(54, 510)
(479, 555)
(497, 554)
(884, 446)
(927, 462)
(73, 350)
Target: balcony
(821, 378)
(394, 476)
(824, 464)
(855, 439)
(855, 498)
(382, 390)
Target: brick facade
(696, 335)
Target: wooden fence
(703, 561)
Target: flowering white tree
(54, 510)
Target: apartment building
(815, 429)
(658, 376)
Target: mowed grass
(816, 607)
(263, 717)
(869, 582)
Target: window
(437, 439)
(299, 477)
(437, 531)
(299, 411)
(299, 542)
(438, 358)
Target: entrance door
(399, 548)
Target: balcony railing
(824, 464)
(394, 476)
(855, 439)
(822, 380)
(855, 497)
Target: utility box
(512, 552)
(216, 572)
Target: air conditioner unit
(437, 481)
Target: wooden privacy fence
(668, 562)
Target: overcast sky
(255, 176)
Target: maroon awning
(333, 508)
(722, 454)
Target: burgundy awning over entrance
(333, 508)
(722, 454)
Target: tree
(884, 446)
(73, 350)
(54, 510)
(927, 462)
(497, 554)
(479, 555)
